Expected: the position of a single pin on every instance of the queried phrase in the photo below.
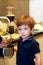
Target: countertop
(38, 33)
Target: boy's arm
(38, 59)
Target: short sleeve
(36, 48)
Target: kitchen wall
(21, 7)
(36, 9)
(33, 8)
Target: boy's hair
(27, 20)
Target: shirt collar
(27, 39)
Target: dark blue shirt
(26, 51)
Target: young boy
(28, 47)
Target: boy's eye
(25, 28)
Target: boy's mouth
(23, 35)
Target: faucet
(4, 17)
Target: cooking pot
(8, 52)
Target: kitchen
(20, 5)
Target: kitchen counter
(38, 33)
(15, 36)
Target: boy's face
(24, 31)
